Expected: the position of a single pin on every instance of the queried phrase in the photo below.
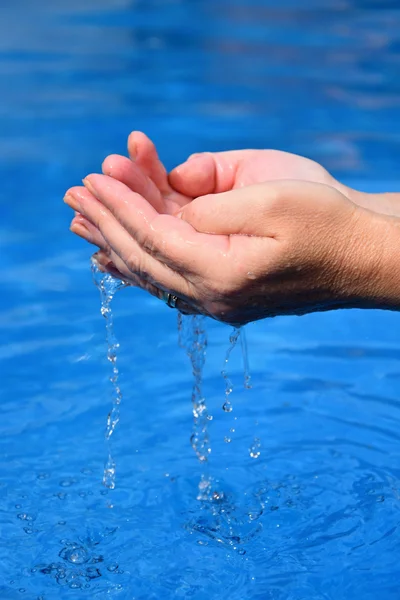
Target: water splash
(108, 286)
(193, 339)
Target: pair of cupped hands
(237, 236)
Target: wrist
(387, 203)
(372, 271)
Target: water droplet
(227, 407)
(254, 449)
(112, 567)
(26, 517)
(76, 555)
(227, 440)
(75, 585)
(218, 496)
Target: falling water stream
(193, 339)
(108, 286)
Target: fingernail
(132, 151)
(81, 230)
(72, 202)
(88, 185)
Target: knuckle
(135, 264)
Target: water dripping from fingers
(227, 405)
(255, 446)
(193, 339)
(245, 359)
(108, 286)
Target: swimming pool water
(316, 515)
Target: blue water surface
(316, 515)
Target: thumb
(206, 173)
(241, 211)
(195, 177)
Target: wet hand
(295, 248)
(210, 173)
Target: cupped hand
(210, 173)
(285, 247)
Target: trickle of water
(227, 405)
(254, 449)
(108, 286)
(193, 339)
(245, 358)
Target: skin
(303, 242)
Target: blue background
(316, 515)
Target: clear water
(316, 515)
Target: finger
(169, 239)
(263, 210)
(85, 229)
(238, 212)
(136, 260)
(105, 264)
(129, 173)
(207, 173)
(142, 151)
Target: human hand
(296, 247)
(144, 174)
(210, 173)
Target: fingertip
(81, 231)
(195, 177)
(136, 139)
(109, 163)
